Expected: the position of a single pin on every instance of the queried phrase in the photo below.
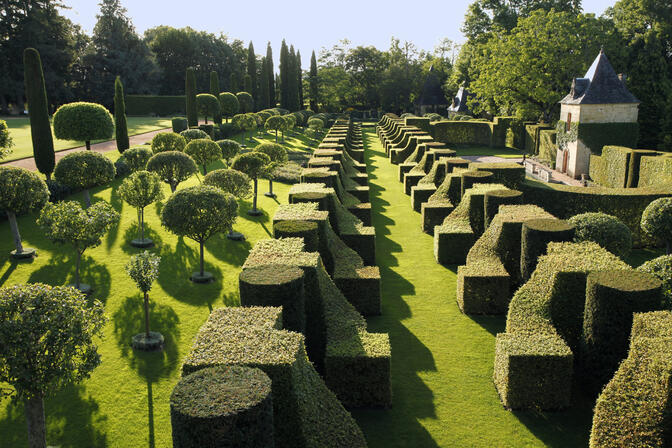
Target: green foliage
(214, 91)
(141, 189)
(246, 102)
(136, 158)
(230, 181)
(199, 212)
(193, 134)
(6, 141)
(657, 220)
(190, 95)
(208, 106)
(277, 153)
(230, 148)
(21, 191)
(598, 135)
(179, 124)
(143, 268)
(605, 230)
(84, 169)
(535, 236)
(547, 146)
(290, 121)
(316, 124)
(120, 126)
(203, 151)
(83, 122)
(161, 105)
(307, 230)
(48, 336)
(172, 167)
(661, 268)
(462, 132)
(275, 123)
(254, 163)
(655, 170)
(40, 127)
(229, 104)
(168, 141)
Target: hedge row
(160, 105)
(621, 167)
(548, 148)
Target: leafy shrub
(225, 131)
(83, 122)
(230, 148)
(536, 234)
(179, 124)
(275, 123)
(21, 191)
(203, 151)
(307, 230)
(168, 141)
(230, 181)
(121, 168)
(657, 221)
(605, 230)
(139, 190)
(172, 167)
(84, 170)
(193, 134)
(661, 268)
(245, 101)
(208, 129)
(160, 105)
(136, 158)
(6, 141)
(208, 105)
(59, 191)
(229, 104)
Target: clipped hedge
(162, 105)
(224, 407)
(603, 229)
(179, 124)
(299, 229)
(536, 234)
(548, 148)
(508, 173)
(655, 171)
(493, 199)
(463, 132)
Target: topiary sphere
(290, 120)
(208, 105)
(315, 123)
(275, 123)
(661, 268)
(137, 157)
(657, 220)
(172, 167)
(193, 134)
(228, 103)
(245, 101)
(230, 148)
(251, 163)
(265, 115)
(277, 153)
(168, 141)
(21, 191)
(230, 181)
(83, 122)
(203, 151)
(605, 230)
(84, 169)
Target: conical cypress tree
(299, 80)
(40, 128)
(252, 73)
(293, 96)
(234, 83)
(190, 93)
(271, 77)
(214, 90)
(314, 93)
(264, 96)
(248, 85)
(284, 76)
(120, 126)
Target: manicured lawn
(506, 153)
(442, 360)
(125, 403)
(19, 129)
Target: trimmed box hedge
(655, 171)
(463, 132)
(161, 105)
(508, 173)
(535, 236)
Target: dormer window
(568, 124)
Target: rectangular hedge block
(411, 180)
(405, 168)
(452, 246)
(420, 194)
(361, 193)
(483, 292)
(362, 289)
(362, 243)
(362, 211)
(434, 213)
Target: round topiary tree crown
(229, 104)
(193, 134)
(657, 221)
(168, 141)
(230, 148)
(172, 167)
(136, 157)
(84, 170)
(203, 151)
(83, 122)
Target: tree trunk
(254, 201)
(87, 198)
(205, 170)
(15, 232)
(206, 119)
(270, 186)
(37, 427)
(141, 217)
(202, 270)
(48, 176)
(276, 136)
(88, 145)
(173, 187)
(79, 259)
(146, 314)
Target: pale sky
(309, 25)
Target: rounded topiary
(612, 297)
(254, 165)
(168, 141)
(137, 157)
(275, 123)
(203, 151)
(229, 105)
(661, 268)
(245, 101)
(225, 406)
(179, 124)
(469, 178)
(278, 155)
(172, 167)
(493, 199)
(308, 230)
(276, 285)
(230, 181)
(657, 221)
(208, 105)
(193, 134)
(141, 189)
(208, 129)
(605, 230)
(83, 122)
(21, 191)
(535, 236)
(230, 148)
(84, 170)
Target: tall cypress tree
(264, 94)
(40, 128)
(247, 85)
(271, 75)
(314, 89)
(284, 76)
(299, 80)
(252, 72)
(214, 90)
(190, 93)
(293, 78)
(120, 126)
(234, 83)
(278, 83)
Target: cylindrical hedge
(179, 124)
(536, 235)
(190, 97)
(469, 178)
(276, 285)
(225, 406)
(493, 199)
(312, 196)
(456, 162)
(299, 229)
(611, 299)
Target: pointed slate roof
(432, 94)
(460, 101)
(600, 85)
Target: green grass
(505, 153)
(125, 403)
(442, 360)
(19, 129)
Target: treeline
(82, 67)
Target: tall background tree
(314, 83)
(190, 96)
(40, 127)
(299, 79)
(284, 76)
(292, 81)
(264, 94)
(120, 126)
(271, 75)
(214, 90)
(252, 72)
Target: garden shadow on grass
(132, 232)
(177, 265)
(228, 251)
(72, 417)
(118, 204)
(492, 324)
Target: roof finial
(601, 49)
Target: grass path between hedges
(442, 360)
